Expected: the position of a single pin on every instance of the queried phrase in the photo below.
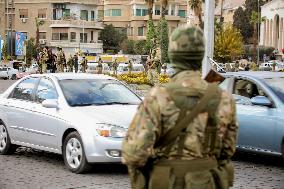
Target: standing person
(184, 133)
(115, 65)
(40, 61)
(60, 60)
(44, 60)
(237, 66)
(76, 65)
(130, 66)
(84, 64)
(100, 66)
(70, 63)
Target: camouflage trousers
(60, 68)
(44, 68)
(153, 76)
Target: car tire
(283, 149)
(74, 154)
(14, 77)
(6, 147)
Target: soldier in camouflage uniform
(130, 66)
(45, 58)
(60, 60)
(84, 64)
(115, 65)
(70, 63)
(184, 133)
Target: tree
(242, 18)
(5, 50)
(150, 8)
(31, 51)
(164, 40)
(39, 22)
(151, 37)
(196, 6)
(242, 22)
(228, 44)
(164, 7)
(112, 38)
(128, 46)
(140, 47)
(255, 20)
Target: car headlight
(111, 130)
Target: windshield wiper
(112, 103)
(82, 104)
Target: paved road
(31, 169)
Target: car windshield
(276, 84)
(87, 92)
(3, 69)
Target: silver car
(260, 110)
(84, 117)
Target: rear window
(3, 69)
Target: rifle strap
(184, 121)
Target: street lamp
(258, 31)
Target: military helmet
(187, 41)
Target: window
(144, 12)
(42, 13)
(140, 31)
(66, 13)
(24, 90)
(84, 15)
(92, 36)
(26, 34)
(80, 92)
(60, 34)
(157, 11)
(116, 12)
(107, 12)
(181, 13)
(138, 12)
(23, 13)
(73, 36)
(42, 35)
(85, 38)
(45, 90)
(92, 15)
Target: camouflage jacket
(60, 57)
(158, 114)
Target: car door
(47, 124)
(257, 123)
(18, 109)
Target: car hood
(120, 115)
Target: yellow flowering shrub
(164, 78)
(134, 78)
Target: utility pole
(258, 30)
(209, 36)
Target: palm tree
(150, 8)
(39, 22)
(164, 4)
(196, 6)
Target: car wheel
(6, 147)
(14, 77)
(74, 154)
(283, 149)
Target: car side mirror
(261, 101)
(50, 103)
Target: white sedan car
(84, 117)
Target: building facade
(272, 29)
(70, 24)
(131, 16)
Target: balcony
(157, 17)
(71, 23)
(68, 44)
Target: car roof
(256, 74)
(63, 76)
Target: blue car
(260, 110)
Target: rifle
(213, 76)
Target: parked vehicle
(84, 117)
(168, 70)
(123, 68)
(8, 73)
(260, 109)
